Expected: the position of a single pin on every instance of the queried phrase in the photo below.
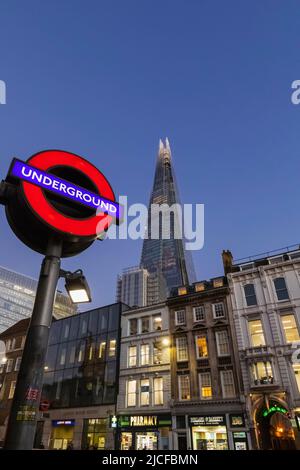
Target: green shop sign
(273, 409)
(144, 421)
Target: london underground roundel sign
(62, 194)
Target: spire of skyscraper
(165, 259)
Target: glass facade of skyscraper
(165, 259)
(17, 294)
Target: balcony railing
(258, 351)
(266, 381)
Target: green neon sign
(274, 408)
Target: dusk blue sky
(107, 79)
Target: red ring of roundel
(38, 202)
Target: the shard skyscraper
(166, 260)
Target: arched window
(281, 289)
(250, 295)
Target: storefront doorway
(61, 437)
(94, 434)
(146, 440)
(274, 429)
(62, 434)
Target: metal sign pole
(25, 405)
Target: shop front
(219, 432)
(209, 432)
(144, 432)
(94, 434)
(62, 434)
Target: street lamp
(77, 286)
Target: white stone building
(265, 295)
(143, 408)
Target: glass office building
(82, 361)
(165, 259)
(81, 380)
(17, 294)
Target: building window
(62, 356)
(9, 365)
(158, 391)
(199, 287)
(81, 352)
(102, 348)
(290, 329)
(145, 392)
(157, 352)
(227, 382)
(250, 295)
(205, 386)
(145, 328)
(131, 393)
(218, 310)
(8, 345)
(112, 348)
(184, 387)
(222, 343)
(72, 353)
(219, 282)
(132, 356)
(12, 389)
(133, 326)
(181, 348)
(182, 290)
(262, 373)
(91, 351)
(256, 333)
(66, 330)
(145, 354)
(17, 364)
(180, 317)
(281, 289)
(296, 368)
(198, 313)
(83, 326)
(201, 346)
(157, 323)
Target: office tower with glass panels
(17, 294)
(165, 258)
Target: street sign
(60, 193)
(44, 405)
(58, 204)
